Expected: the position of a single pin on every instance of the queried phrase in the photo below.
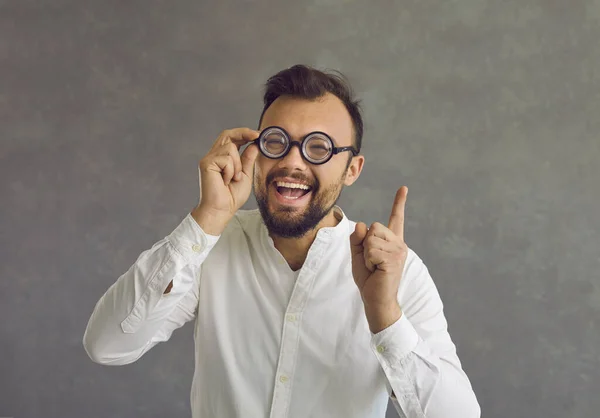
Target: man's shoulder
(244, 221)
(246, 217)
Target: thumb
(357, 238)
(248, 158)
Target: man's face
(290, 211)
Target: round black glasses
(316, 147)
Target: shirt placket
(284, 378)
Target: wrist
(381, 317)
(211, 222)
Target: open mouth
(291, 191)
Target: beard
(291, 222)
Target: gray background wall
(487, 110)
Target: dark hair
(306, 82)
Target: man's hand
(378, 257)
(225, 178)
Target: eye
(318, 147)
(275, 143)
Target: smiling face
(293, 195)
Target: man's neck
(295, 250)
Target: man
(299, 312)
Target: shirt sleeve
(424, 374)
(134, 314)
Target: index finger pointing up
(396, 224)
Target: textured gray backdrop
(488, 110)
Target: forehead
(300, 116)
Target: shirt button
(283, 378)
(291, 318)
(197, 248)
(380, 349)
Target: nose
(293, 160)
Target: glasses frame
(301, 144)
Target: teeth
(292, 185)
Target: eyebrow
(335, 141)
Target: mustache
(296, 176)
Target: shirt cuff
(190, 240)
(395, 343)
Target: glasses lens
(318, 147)
(274, 142)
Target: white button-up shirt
(271, 342)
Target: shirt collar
(340, 228)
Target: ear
(354, 169)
